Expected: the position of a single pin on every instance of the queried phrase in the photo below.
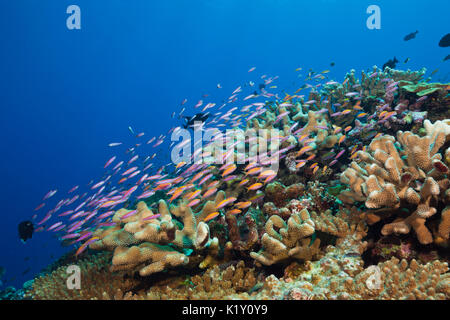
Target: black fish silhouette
(410, 36)
(445, 41)
(26, 230)
(191, 120)
(390, 63)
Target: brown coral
(151, 245)
(387, 179)
(290, 241)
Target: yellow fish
(253, 171)
(300, 164)
(315, 169)
(235, 211)
(229, 170)
(242, 182)
(179, 165)
(314, 165)
(209, 193)
(243, 205)
(255, 186)
(211, 216)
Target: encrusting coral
(407, 173)
(96, 281)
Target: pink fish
(133, 159)
(130, 191)
(106, 214)
(49, 194)
(134, 174)
(53, 226)
(152, 217)
(129, 171)
(332, 162)
(73, 189)
(47, 216)
(129, 214)
(115, 144)
(339, 154)
(97, 185)
(39, 206)
(193, 202)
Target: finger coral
(153, 242)
(283, 240)
(95, 281)
(407, 173)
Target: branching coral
(393, 175)
(95, 281)
(153, 245)
(290, 241)
(230, 282)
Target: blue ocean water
(65, 94)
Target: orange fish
(315, 169)
(378, 135)
(213, 184)
(193, 202)
(266, 174)
(229, 170)
(211, 216)
(225, 202)
(243, 182)
(209, 193)
(341, 139)
(235, 211)
(255, 186)
(346, 111)
(357, 106)
(122, 180)
(176, 194)
(303, 150)
(253, 171)
(243, 205)
(300, 164)
(314, 165)
(163, 186)
(193, 194)
(180, 164)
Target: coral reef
(96, 281)
(162, 241)
(290, 241)
(406, 173)
(333, 220)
